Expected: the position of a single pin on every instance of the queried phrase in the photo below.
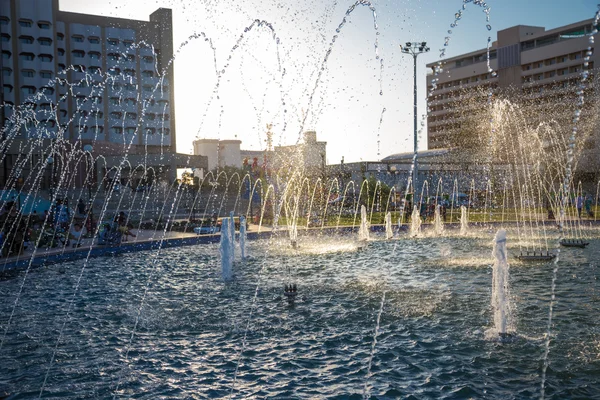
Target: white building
(220, 153)
(311, 154)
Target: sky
(297, 72)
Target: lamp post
(414, 49)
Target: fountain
(226, 250)
(501, 309)
(363, 230)
(91, 326)
(294, 234)
(464, 220)
(243, 236)
(438, 224)
(415, 222)
(389, 233)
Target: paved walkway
(142, 237)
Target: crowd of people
(61, 226)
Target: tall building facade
(86, 79)
(540, 66)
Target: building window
(44, 25)
(5, 37)
(164, 131)
(6, 71)
(130, 57)
(150, 131)
(60, 52)
(47, 90)
(148, 59)
(45, 57)
(114, 71)
(77, 38)
(147, 74)
(6, 54)
(115, 101)
(82, 128)
(62, 67)
(25, 23)
(163, 117)
(26, 56)
(113, 42)
(63, 113)
(28, 73)
(97, 100)
(116, 115)
(127, 43)
(95, 70)
(25, 39)
(46, 74)
(130, 130)
(130, 101)
(94, 55)
(28, 89)
(575, 56)
(60, 36)
(150, 116)
(130, 72)
(96, 129)
(114, 56)
(117, 130)
(78, 68)
(4, 21)
(163, 103)
(8, 89)
(78, 53)
(97, 114)
(43, 41)
(94, 40)
(131, 115)
(130, 87)
(148, 88)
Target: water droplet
(489, 27)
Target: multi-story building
(539, 66)
(89, 80)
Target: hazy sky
(265, 82)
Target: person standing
(579, 204)
(588, 206)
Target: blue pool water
(191, 331)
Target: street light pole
(414, 49)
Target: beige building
(544, 67)
(310, 154)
